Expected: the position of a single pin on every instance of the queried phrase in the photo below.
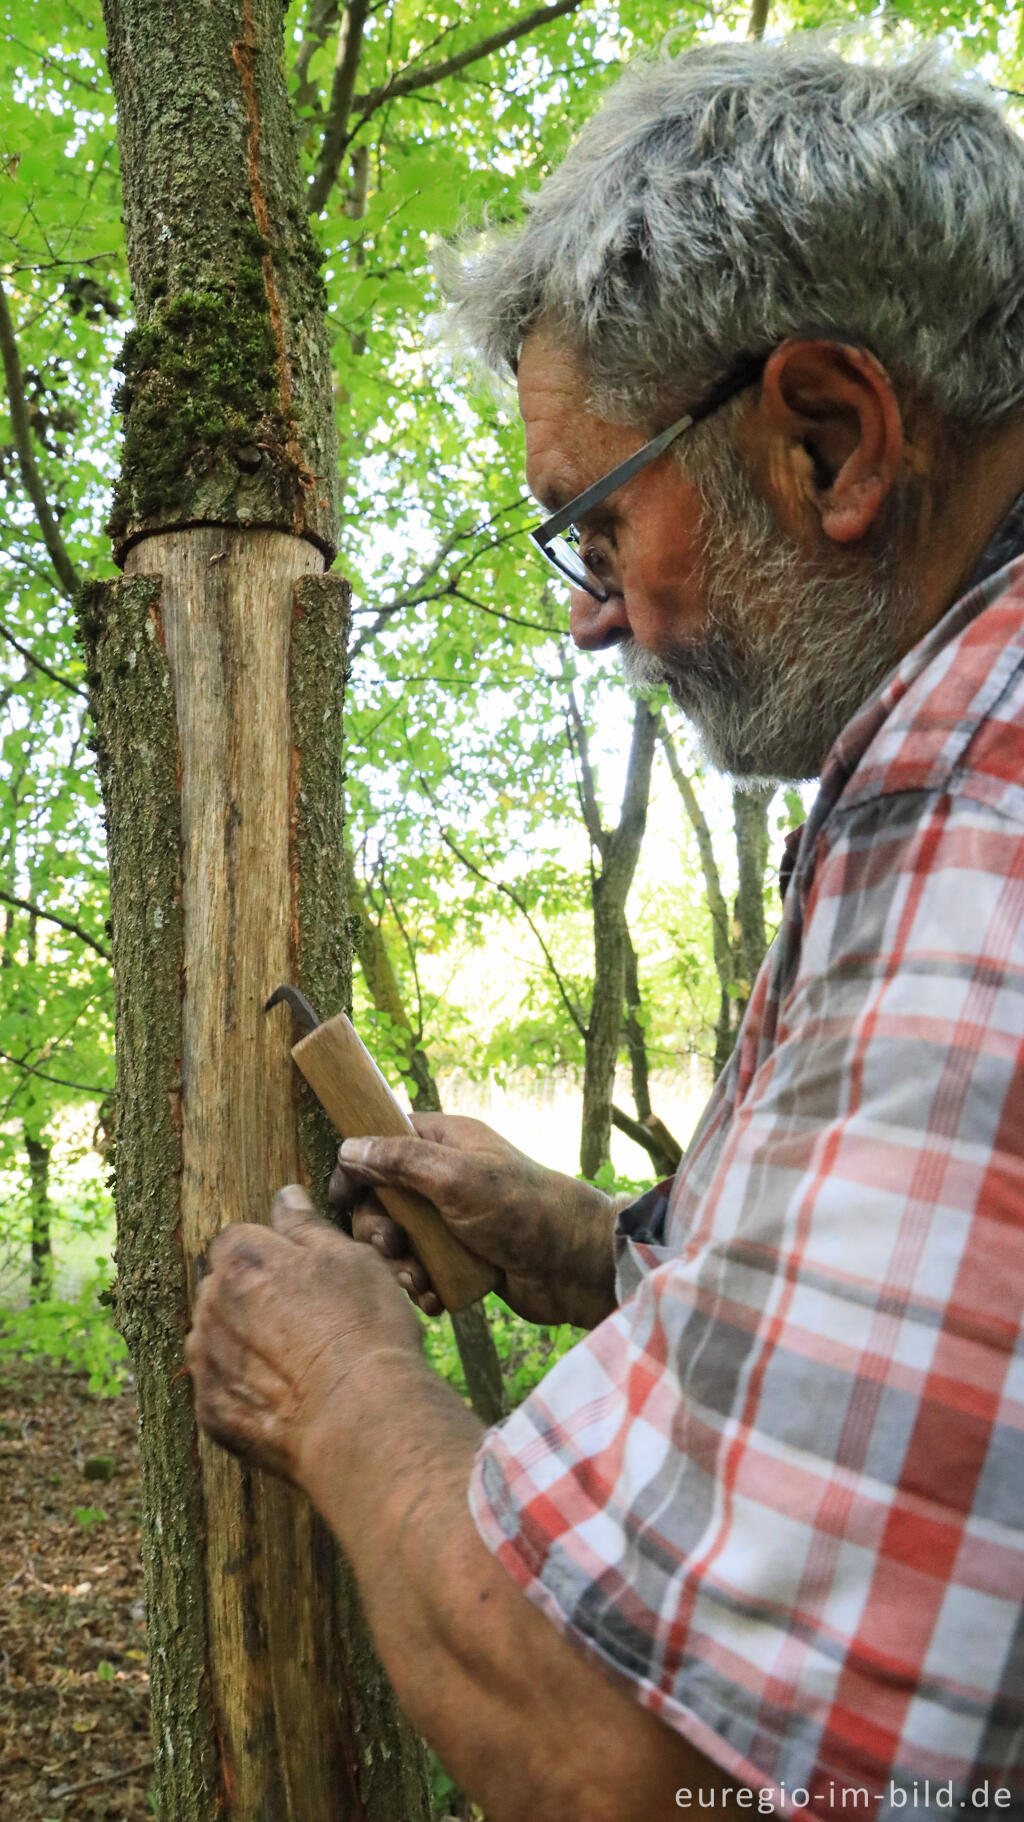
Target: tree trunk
(750, 819)
(216, 670)
(620, 852)
(477, 1352)
(664, 1151)
(41, 1209)
(636, 1038)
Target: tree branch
(717, 906)
(51, 917)
(588, 789)
(322, 15)
(61, 1082)
(37, 663)
(758, 18)
(336, 134)
(623, 849)
(26, 458)
(405, 82)
(500, 886)
(653, 1136)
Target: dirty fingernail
(405, 1281)
(354, 1151)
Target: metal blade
(304, 1013)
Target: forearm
(527, 1724)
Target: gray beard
(789, 652)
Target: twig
(37, 663)
(51, 917)
(23, 444)
(405, 82)
(108, 1777)
(61, 1082)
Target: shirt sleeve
(780, 1491)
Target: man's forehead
(557, 420)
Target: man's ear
(830, 416)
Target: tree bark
(739, 948)
(750, 821)
(216, 668)
(620, 850)
(661, 1147)
(41, 1210)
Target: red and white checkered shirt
(781, 1489)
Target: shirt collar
(988, 580)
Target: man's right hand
(550, 1235)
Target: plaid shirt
(781, 1489)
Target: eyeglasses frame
(743, 373)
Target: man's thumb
(292, 1214)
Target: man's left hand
(284, 1316)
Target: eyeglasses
(562, 553)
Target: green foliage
(77, 1332)
(89, 1516)
(527, 1351)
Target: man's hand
(283, 1317)
(549, 1234)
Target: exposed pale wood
(347, 1082)
(226, 620)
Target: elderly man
(757, 1540)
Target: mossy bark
(226, 395)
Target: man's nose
(594, 625)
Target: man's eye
(596, 559)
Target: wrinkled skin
(549, 1235)
(283, 1317)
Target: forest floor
(74, 1691)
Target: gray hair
(725, 199)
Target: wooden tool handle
(350, 1088)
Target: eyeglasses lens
(565, 557)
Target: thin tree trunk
(216, 668)
(750, 820)
(620, 851)
(636, 1039)
(663, 1150)
(41, 1210)
(473, 1339)
(718, 911)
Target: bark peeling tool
(353, 1093)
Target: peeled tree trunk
(216, 667)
